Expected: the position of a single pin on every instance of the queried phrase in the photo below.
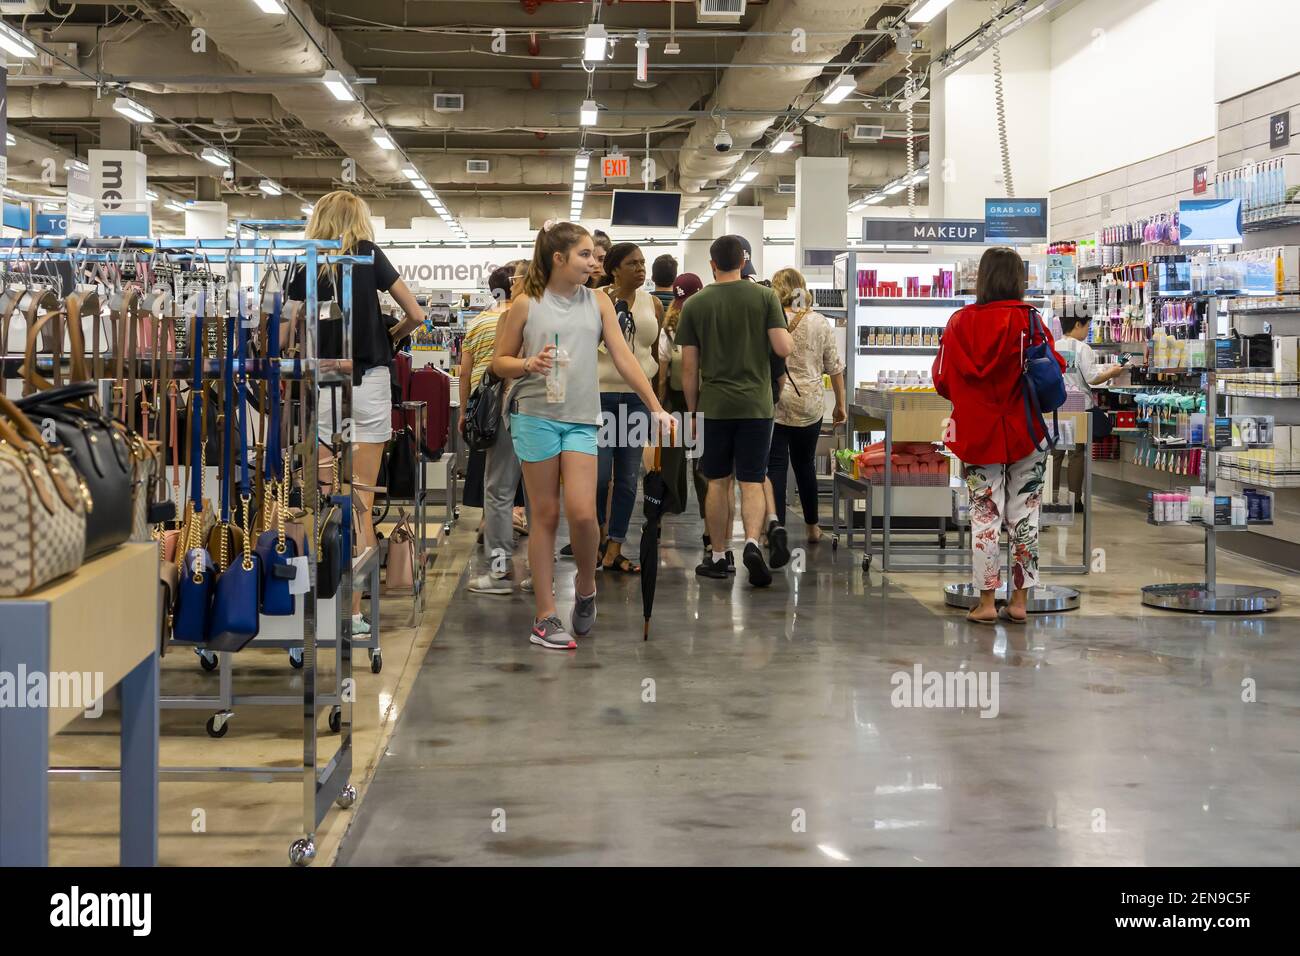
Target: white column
(821, 196)
(747, 222)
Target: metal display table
(103, 619)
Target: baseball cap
(685, 286)
(747, 269)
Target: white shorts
(372, 409)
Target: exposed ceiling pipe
(63, 102)
(771, 88)
(542, 110)
(276, 44)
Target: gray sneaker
(584, 615)
(549, 632)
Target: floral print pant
(1012, 491)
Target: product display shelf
(1271, 217)
(59, 630)
(913, 301)
(325, 782)
(1210, 596)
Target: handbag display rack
(172, 361)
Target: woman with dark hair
(553, 420)
(600, 278)
(624, 415)
(979, 369)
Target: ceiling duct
(771, 88)
(491, 110)
(275, 44)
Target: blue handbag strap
(271, 458)
(241, 338)
(228, 381)
(196, 418)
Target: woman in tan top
(802, 405)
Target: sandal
(1004, 614)
(987, 622)
(623, 565)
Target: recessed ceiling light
(783, 143)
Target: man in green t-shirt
(727, 332)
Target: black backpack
(483, 412)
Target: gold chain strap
(248, 534)
(283, 507)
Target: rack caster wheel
(456, 513)
(376, 662)
(943, 541)
(835, 543)
(336, 719)
(295, 658)
(218, 724)
(866, 562)
(208, 660)
(347, 797)
(301, 852)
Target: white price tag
(301, 582)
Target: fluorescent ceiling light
(150, 195)
(50, 206)
(335, 83)
(579, 176)
(433, 201)
(269, 6)
(15, 43)
(923, 11)
(582, 160)
(872, 200)
(839, 90)
(306, 209)
(783, 142)
(133, 110)
(77, 165)
(382, 139)
(748, 176)
(587, 114)
(410, 172)
(9, 139)
(426, 192)
(1033, 13)
(895, 189)
(420, 185)
(270, 187)
(173, 205)
(215, 156)
(594, 42)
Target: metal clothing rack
(324, 781)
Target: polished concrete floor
(759, 727)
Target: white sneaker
(492, 584)
(360, 625)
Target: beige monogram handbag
(42, 507)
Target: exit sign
(614, 166)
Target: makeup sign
(937, 231)
(1015, 220)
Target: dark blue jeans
(618, 462)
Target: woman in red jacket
(979, 370)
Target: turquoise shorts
(537, 439)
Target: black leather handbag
(98, 449)
(330, 552)
(483, 412)
(397, 472)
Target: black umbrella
(655, 490)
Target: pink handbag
(399, 567)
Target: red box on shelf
(1126, 419)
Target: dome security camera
(722, 141)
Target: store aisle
(772, 739)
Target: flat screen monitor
(1209, 222)
(637, 207)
